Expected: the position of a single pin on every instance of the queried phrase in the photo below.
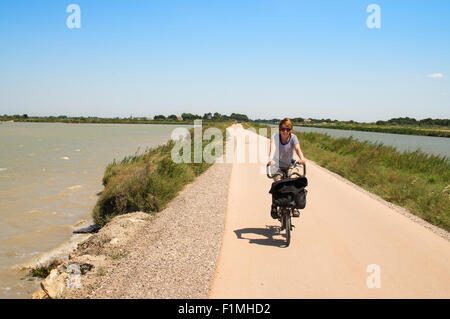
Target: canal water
(50, 175)
(428, 144)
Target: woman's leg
(297, 169)
(278, 177)
(273, 209)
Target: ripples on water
(50, 174)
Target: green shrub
(44, 271)
(145, 182)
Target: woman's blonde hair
(286, 122)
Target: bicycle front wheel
(287, 220)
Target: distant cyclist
(281, 153)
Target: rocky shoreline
(89, 254)
(168, 255)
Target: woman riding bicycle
(282, 147)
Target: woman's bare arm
(272, 148)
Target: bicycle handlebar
(272, 176)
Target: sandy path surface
(341, 232)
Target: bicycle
(286, 209)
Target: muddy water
(50, 175)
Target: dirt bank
(170, 255)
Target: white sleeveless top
(284, 153)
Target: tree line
(207, 116)
(301, 120)
(400, 121)
(414, 122)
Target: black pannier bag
(289, 190)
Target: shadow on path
(268, 232)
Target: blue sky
(264, 58)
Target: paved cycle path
(346, 244)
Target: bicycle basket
(289, 192)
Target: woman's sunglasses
(285, 129)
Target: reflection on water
(50, 174)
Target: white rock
(74, 278)
(55, 284)
(73, 269)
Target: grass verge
(147, 182)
